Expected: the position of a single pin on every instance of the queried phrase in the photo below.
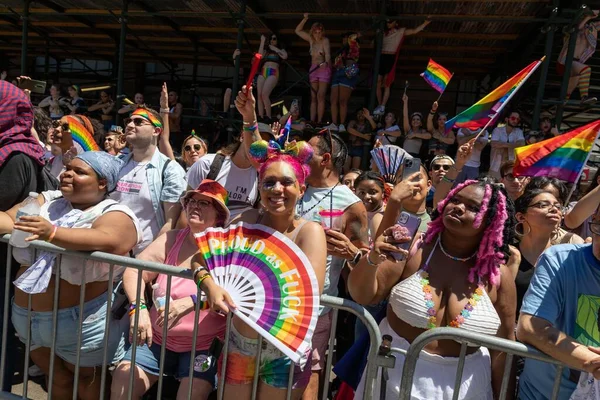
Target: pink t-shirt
(179, 337)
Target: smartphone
(412, 223)
(33, 85)
(411, 165)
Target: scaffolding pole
(237, 61)
(549, 30)
(121, 62)
(377, 60)
(25, 36)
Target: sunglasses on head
(197, 147)
(137, 121)
(328, 131)
(436, 167)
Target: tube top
(408, 303)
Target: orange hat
(214, 191)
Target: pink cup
(331, 219)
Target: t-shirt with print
(565, 291)
(240, 183)
(133, 190)
(315, 200)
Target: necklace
(302, 213)
(452, 257)
(138, 168)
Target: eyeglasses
(514, 118)
(594, 227)
(271, 184)
(546, 205)
(436, 167)
(64, 126)
(137, 121)
(197, 147)
(198, 203)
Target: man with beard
(504, 140)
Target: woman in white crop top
(456, 277)
(78, 217)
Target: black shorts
(386, 62)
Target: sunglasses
(515, 118)
(64, 126)
(436, 167)
(137, 121)
(198, 203)
(197, 147)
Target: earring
(525, 223)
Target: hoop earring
(524, 233)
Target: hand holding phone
(411, 166)
(407, 226)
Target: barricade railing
(114, 261)
(466, 339)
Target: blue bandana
(106, 166)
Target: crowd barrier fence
(335, 303)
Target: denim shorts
(176, 364)
(67, 327)
(341, 79)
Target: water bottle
(30, 208)
(159, 297)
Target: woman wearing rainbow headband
(281, 183)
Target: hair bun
(259, 151)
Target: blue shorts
(176, 364)
(67, 326)
(341, 79)
(356, 151)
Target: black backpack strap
(162, 175)
(215, 166)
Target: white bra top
(408, 303)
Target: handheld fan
(388, 159)
(270, 280)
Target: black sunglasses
(436, 167)
(137, 121)
(197, 147)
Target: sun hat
(214, 191)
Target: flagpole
(510, 96)
(440, 96)
(581, 171)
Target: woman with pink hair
(456, 275)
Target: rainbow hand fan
(388, 159)
(270, 280)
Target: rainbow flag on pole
(437, 76)
(561, 157)
(486, 110)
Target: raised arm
(245, 104)
(434, 108)
(369, 118)
(405, 114)
(416, 30)
(300, 29)
(164, 145)
(261, 48)
(583, 209)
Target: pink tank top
(179, 337)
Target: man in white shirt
(149, 183)
(471, 167)
(504, 141)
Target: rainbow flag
(486, 110)
(437, 76)
(561, 157)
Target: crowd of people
(451, 238)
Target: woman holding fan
(281, 183)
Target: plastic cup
(331, 219)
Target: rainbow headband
(142, 112)
(81, 134)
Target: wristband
(203, 278)
(134, 309)
(194, 298)
(51, 237)
(372, 264)
(197, 271)
(251, 128)
(248, 123)
(165, 110)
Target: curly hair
(377, 178)
(497, 214)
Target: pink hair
(300, 170)
(489, 257)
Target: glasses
(594, 227)
(198, 203)
(197, 147)
(64, 126)
(271, 184)
(514, 118)
(546, 205)
(436, 167)
(137, 121)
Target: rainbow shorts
(268, 71)
(274, 366)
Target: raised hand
(246, 104)
(164, 96)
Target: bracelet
(133, 305)
(431, 112)
(203, 278)
(142, 307)
(204, 305)
(51, 237)
(165, 110)
(251, 128)
(249, 123)
(446, 179)
(194, 298)
(197, 271)
(372, 264)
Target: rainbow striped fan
(270, 280)
(388, 159)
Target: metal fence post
(121, 62)
(539, 98)
(237, 62)
(25, 36)
(376, 61)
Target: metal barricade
(114, 261)
(466, 338)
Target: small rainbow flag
(437, 76)
(486, 110)
(561, 157)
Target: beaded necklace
(428, 296)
